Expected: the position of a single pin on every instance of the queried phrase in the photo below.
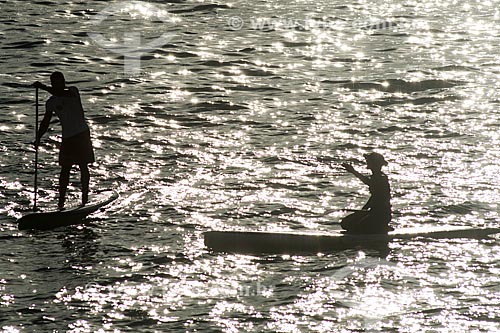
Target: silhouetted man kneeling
(376, 213)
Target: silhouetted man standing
(76, 147)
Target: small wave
(177, 54)
(71, 42)
(462, 209)
(214, 63)
(390, 129)
(248, 88)
(200, 8)
(257, 72)
(381, 25)
(83, 12)
(218, 105)
(348, 60)
(455, 68)
(247, 50)
(43, 64)
(398, 85)
(23, 45)
(414, 101)
(44, 3)
(392, 49)
(296, 44)
(12, 101)
(14, 85)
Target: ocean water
(214, 115)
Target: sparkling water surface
(240, 120)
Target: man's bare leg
(63, 184)
(85, 179)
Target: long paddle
(36, 149)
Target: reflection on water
(240, 122)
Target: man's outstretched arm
(349, 168)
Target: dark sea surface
(209, 116)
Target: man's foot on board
(60, 206)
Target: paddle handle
(35, 189)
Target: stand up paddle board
(254, 242)
(55, 219)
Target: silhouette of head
(375, 161)
(57, 81)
